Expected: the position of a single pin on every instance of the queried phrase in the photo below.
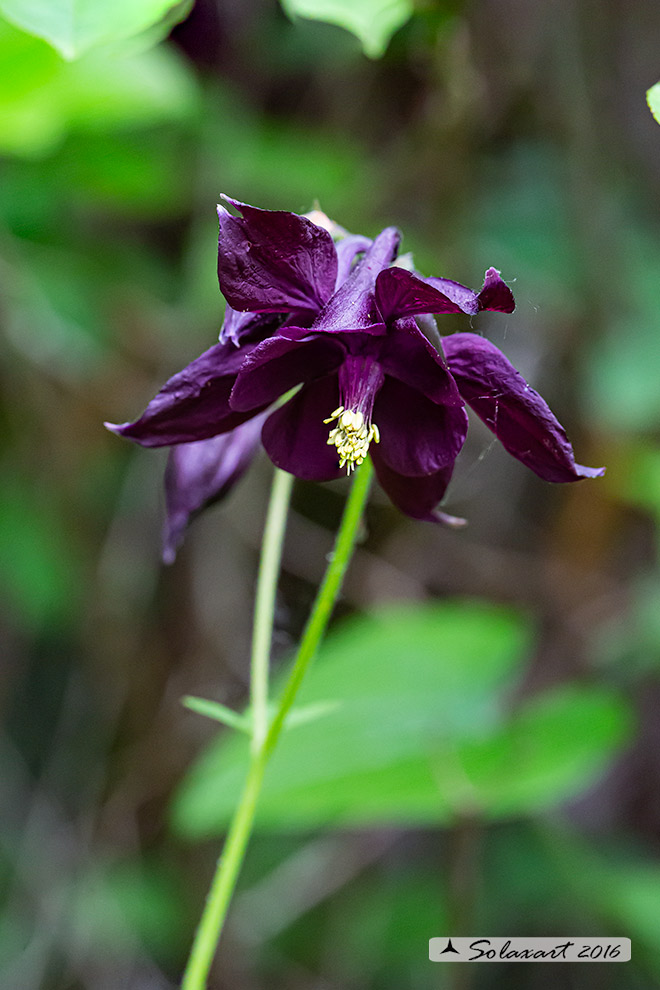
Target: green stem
(325, 599)
(262, 630)
(240, 829)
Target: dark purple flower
(392, 393)
(212, 445)
(368, 379)
(199, 474)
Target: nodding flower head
(341, 330)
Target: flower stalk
(264, 738)
(262, 630)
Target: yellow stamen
(351, 436)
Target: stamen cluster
(351, 436)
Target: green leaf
(423, 732)
(372, 21)
(552, 746)
(408, 682)
(45, 97)
(617, 883)
(653, 100)
(216, 711)
(72, 27)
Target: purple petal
(296, 438)
(353, 306)
(406, 354)
(417, 497)
(278, 364)
(348, 249)
(496, 294)
(193, 405)
(417, 437)
(400, 293)
(515, 413)
(199, 474)
(466, 300)
(239, 327)
(271, 261)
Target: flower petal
(494, 295)
(193, 404)
(417, 497)
(353, 306)
(516, 414)
(406, 354)
(347, 250)
(296, 438)
(271, 261)
(201, 473)
(400, 293)
(417, 436)
(278, 364)
(240, 327)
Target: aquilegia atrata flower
(369, 381)
(372, 382)
(296, 257)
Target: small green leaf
(309, 713)
(74, 26)
(372, 21)
(216, 711)
(653, 100)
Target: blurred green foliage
(653, 100)
(372, 21)
(422, 732)
(74, 26)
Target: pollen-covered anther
(351, 436)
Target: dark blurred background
(497, 133)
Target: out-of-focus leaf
(407, 679)
(44, 97)
(74, 26)
(555, 744)
(617, 884)
(138, 173)
(653, 100)
(421, 734)
(372, 21)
